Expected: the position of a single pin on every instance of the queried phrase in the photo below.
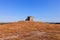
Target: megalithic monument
(30, 18)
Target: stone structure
(30, 18)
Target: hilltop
(29, 30)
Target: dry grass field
(27, 30)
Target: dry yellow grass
(27, 30)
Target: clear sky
(43, 10)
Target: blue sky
(42, 10)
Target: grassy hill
(29, 30)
